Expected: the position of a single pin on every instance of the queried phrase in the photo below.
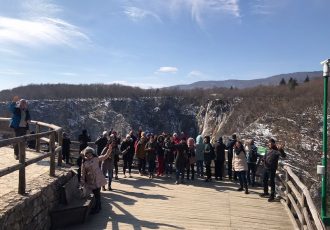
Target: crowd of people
(172, 153)
(164, 155)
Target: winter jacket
(127, 149)
(83, 140)
(252, 154)
(230, 146)
(169, 151)
(219, 149)
(208, 152)
(16, 118)
(181, 158)
(91, 174)
(240, 162)
(101, 142)
(271, 158)
(151, 148)
(140, 149)
(199, 148)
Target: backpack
(253, 155)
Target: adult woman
(151, 148)
(92, 177)
(191, 159)
(240, 165)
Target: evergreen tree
(306, 79)
(283, 82)
(292, 84)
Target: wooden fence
(298, 201)
(53, 137)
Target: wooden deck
(140, 203)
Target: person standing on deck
(107, 165)
(127, 150)
(208, 157)
(20, 119)
(181, 160)
(200, 156)
(101, 142)
(230, 148)
(191, 159)
(92, 177)
(150, 149)
(160, 155)
(219, 162)
(252, 158)
(240, 166)
(140, 154)
(66, 142)
(83, 139)
(270, 166)
(169, 155)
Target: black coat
(219, 149)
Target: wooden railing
(54, 133)
(298, 201)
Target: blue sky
(155, 43)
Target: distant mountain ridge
(240, 84)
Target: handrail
(38, 136)
(299, 202)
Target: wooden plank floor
(140, 203)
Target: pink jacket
(91, 174)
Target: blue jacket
(16, 118)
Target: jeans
(242, 179)
(208, 169)
(21, 131)
(269, 174)
(110, 175)
(251, 173)
(192, 168)
(151, 166)
(142, 165)
(200, 167)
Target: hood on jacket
(199, 139)
(220, 140)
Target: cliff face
(155, 115)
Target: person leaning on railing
(20, 119)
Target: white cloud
(198, 9)
(137, 14)
(39, 32)
(167, 69)
(36, 25)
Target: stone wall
(33, 210)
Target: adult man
(270, 166)
(229, 147)
(20, 119)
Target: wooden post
(60, 142)
(21, 173)
(37, 138)
(287, 188)
(52, 156)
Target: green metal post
(326, 73)
(325, 148)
